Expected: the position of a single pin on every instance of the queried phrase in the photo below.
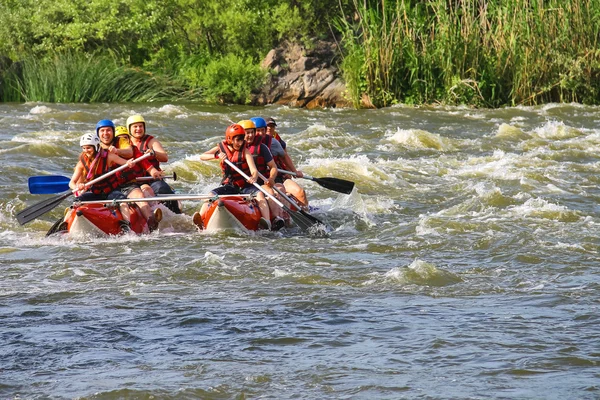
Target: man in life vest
(266, 131)
(109, 141)
(234, 149)
(136, 126)
(94, 162)
(255, 144)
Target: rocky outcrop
(301, 77)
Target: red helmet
(232, 131)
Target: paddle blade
(41, 208)
(304, 220)
(48, 184)
(335, 184)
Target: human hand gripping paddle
(41, 208)
(338, 185)
(50, 184)
(303, 219)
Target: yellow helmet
(121, 130)
(247, 124)
(134, 119)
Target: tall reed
(478, 52)
(72, 77)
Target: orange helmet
(232, 131)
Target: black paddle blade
(41, 208)
(304, 220)
(338, 185)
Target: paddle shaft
(335, 184)
(289, 200)
(256, 185)
(166, 198)
(52, 184)
(305, 176)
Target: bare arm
(115, 159)
(126, 152)
(210, 154)
(288, 161)
(77, 177)
(159, 152)
(252, 166)
(272, 173)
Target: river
(463, 266)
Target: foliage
(74, 77)
(477, 52)
(163, 36)
(227, 79)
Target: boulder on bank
(302, 77)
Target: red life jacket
(139, 169)
(144, 146)
(279, 160)
(93, 168)
(231, 176)
(259, 160)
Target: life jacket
(93, 168)
(279, 139)
(230, 175)
(279, 160)
(144, 146)
(139, 169)
(259, 160)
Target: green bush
(227, 79)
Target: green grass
(71, 77)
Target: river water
(464, 265)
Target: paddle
(300, 221)
(50, 184)
(303, 219)
(32, 212)
(336, 184)
(168, 197)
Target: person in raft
(136, 126)
(233, 148)
(95, 162)
(113, 140)
(265, 130)
(256, 146)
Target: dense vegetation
(476, 52)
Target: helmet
(259, 122)
(121, 130)
(232, 131)
(247, 124)
(89, 139)
(104, 123)
(134, 119)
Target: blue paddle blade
(48, 184)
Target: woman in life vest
(234, 149)
(256, 147)
(136, 126)
(94, 162)
(266, 130)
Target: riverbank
(491, 54)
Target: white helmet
(90, 139)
